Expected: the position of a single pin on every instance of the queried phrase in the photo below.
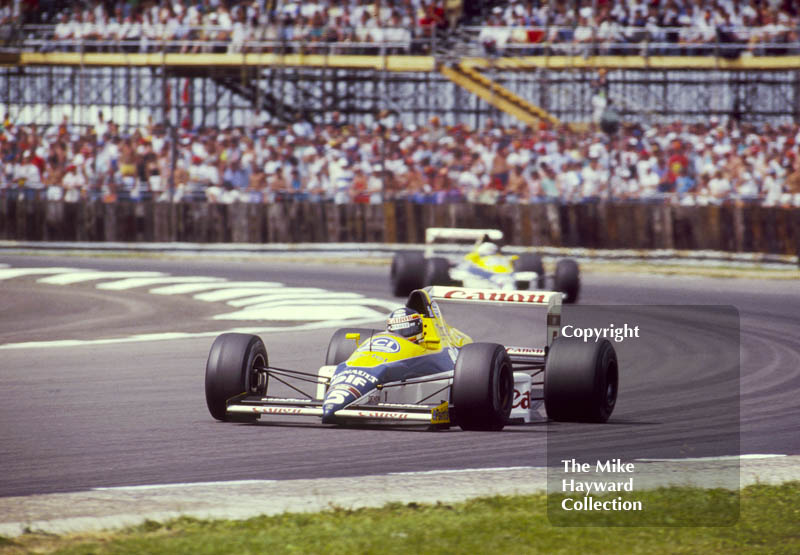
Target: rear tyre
(580, 381)
(437, 272)
(407, 273)
(529, 262)
(231, 370)
(483, 387)
(567, 279)
(340, 348)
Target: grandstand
(521, 83)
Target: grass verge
(769, 523)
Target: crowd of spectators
(342, 163)
(668, 27)
(587, 27)
(190, 26)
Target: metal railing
(507, 41)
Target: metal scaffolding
(233, 96)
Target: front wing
(301, 407)
(423, 399)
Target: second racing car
(484, 266)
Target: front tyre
(580, 380)
(483, 387)
(233, 369)
(407, 273)
(567, 279)
(437, 272)
(529, 262)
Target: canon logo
(394, 416)
(278, 410)
(499, 296)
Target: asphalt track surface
(96, 415)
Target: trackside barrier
(747, 228)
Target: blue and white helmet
(487, 249)
(405, 322)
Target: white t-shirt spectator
(773, 189)
(648, 180)
(719, 186)
(595, 179)
(28, 174)
(63, 30)
(74, 182)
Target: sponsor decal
(381, 344)
(524, 351)
(521, 400)
(440, 414)
(354, 376)
(339, 394)
(402, 405)
(401, 319)
(349, 389)
(498, 296)
(387, 415)
(278, 410)
(284, 400)
(435, 309)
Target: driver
(487, 249)
(406, 323)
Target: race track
(101, 385)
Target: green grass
(769, 523)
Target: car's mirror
(354, 336)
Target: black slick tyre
(340, 348)
(231, 371)
(437, 272)
(483, 387)
(407, 273)
(529, 262)
(580, 381)
(567, 279)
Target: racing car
(483, 267)
(422, 370)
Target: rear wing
(551, 300)
(433, 234)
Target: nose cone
(329, 413)
(337, 397)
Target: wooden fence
(737, 228)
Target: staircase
(496, 94)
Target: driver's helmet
(405, 322)
(487, 249)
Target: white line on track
(302, 308)
(187, 485)
(313, 309)
(268, 294)
(236, 292)
(184, 335)
(9, 273)
(751, 456)
(184, 289)
(133, 282)
(290, 294)
(68, 276)
(463, 470)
